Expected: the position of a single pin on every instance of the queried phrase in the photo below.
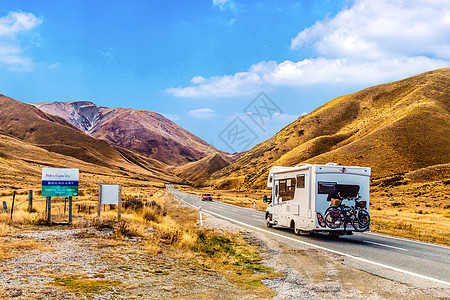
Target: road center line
(323, 248)
(383, 245)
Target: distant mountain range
(31, 139)
(393, 128)
(144, 132)
(396, 128)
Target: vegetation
(85, 285)
(164, 228)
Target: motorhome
(302, 196)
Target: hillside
(393, 128)
(147, 133)
(31, 139)
(204, 167)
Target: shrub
(150, 214)
(133, 203)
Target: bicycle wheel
(333, 217)
(362, 220)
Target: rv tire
(268, 223)
(302, 232)
(334, 235)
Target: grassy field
(418, 210)
(151, 215)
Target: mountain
(204, 167)
(147, 133)
(393, 128)
(32, 138)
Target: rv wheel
(268, 223)
(334, 235)
(302, 232)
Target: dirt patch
(86, 264)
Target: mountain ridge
(145, 132)
(394, 128)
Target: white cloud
(308, 72)
(16, 22)
(224, 4)
(12, 27)
(368, 43)
(220, 86)
(202, 113)
(382, 29)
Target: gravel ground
(85, 255)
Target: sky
(232, 72)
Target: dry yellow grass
(11, 248)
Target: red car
(207, 197)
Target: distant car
(206, 197)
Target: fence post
(201, 218)
(30, 200)
(70, 210)
(12, 206)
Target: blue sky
(201, 63)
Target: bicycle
(339, 214)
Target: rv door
(275, 200)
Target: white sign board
(109, 194)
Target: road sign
(59, 182)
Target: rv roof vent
(331, 164)
(299, 165)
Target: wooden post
(30, 200)
(70, 210)
(119, 207)
(99, 205)
(12, 206)
(65, 203)
(49, 209)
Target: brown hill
(393, 128)
(31, 136)
(144, 132)
(204, 167)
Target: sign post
(59, 183)
(110, 194)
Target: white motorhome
(302, 194)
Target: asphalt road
(408, 261)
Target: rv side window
(327, 187)
(300, 181)
(287, 189)
(270, 179)
(282, 186)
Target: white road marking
(383, 245)
(405, 239)
(326, 249)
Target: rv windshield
(338, 191)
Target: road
(408, 261)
